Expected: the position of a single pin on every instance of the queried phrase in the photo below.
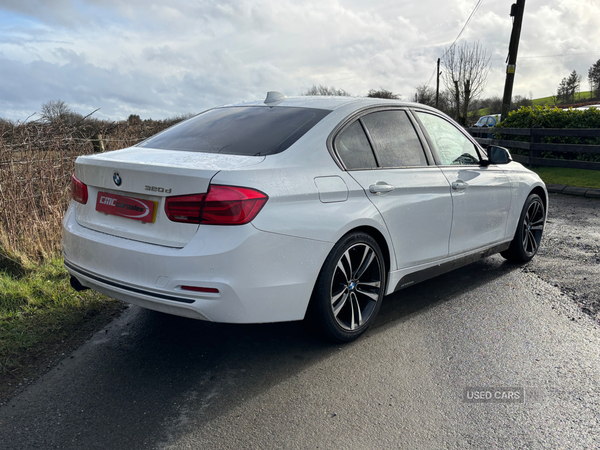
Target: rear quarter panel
(294, 207)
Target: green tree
(568, 87)
(594, 78)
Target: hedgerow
(545, 117)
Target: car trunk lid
(127, 190)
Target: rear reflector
(79, 191)
(222, 205)
(200, 289)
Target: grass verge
(41, 317)
(569, 177)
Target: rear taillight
(79, 191)
(222, 205)
(229, 205)
(185, 208)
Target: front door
(481, 195)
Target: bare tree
(324, 90)
(56, 111)
(426, 96)
(382, 93)
(466, 67)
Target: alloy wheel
(533, 226)
(356, 286)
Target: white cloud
(156, 59)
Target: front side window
(247, 130)
(395, 139)
(452, 146)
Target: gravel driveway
(569, 257)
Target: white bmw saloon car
(295, 208)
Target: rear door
(481, 195)
(382, 152)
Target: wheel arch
(319, 315)
(543, 195)
(381, 241)
(383, 246)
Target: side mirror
(498, 155)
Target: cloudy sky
(162, 58)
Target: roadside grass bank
(569, 177)
(42, 318)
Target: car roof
(330, 102)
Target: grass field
(569, 177)
(580, 96)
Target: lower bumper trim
(126, 288)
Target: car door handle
(459, 185)
(381, 188)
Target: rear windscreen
(247, 130)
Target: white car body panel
(480, 209)
(417, 212)
(254, 286)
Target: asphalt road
(154, 381)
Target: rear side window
(354, 149)
(248, 130)
(395, 139)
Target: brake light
(79, 191)
(230, 205)
(185, 208)
(222, 205)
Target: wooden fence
(535, 147)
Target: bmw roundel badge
(117, 178)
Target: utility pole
(516, 11)
(437, 87)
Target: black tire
(528, 236)
(349, 289)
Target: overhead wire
(458, 36)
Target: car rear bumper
(253, 286)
